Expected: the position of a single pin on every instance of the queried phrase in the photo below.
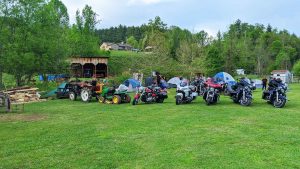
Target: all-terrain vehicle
(115, 95)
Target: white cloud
(211, 28)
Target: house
(112, 46)
(124, 46)
(89, 66)
(285, 75)
(109, 46)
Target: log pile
(23, 95)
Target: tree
(131, 40)
(37, 39)
(82, 37)
(214, 61)
(296, 68)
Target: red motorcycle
(212, 91)
(150, 94)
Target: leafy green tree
(214, 62)
(296, 68)
(131, 40)
(82, 38)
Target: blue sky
(194, 15)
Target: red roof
(279, 71)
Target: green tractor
(111, 95)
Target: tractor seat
(111, 91)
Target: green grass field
(66, 134)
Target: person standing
(264, 83)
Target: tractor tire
(127, 98)
(72, 96)
(116, 99)
(86, 95)
(101, 99)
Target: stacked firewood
(23, 95)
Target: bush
(296, 68)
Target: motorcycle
(185, 93)
(199, 84)
(151, 94)
(212, 92)
(276, 94)
(241, 93)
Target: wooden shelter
(87, 67)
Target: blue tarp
(224, 77)
(134, 83)
(52, 77)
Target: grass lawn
(66, 134)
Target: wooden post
(95, 71)
(106, 74)
(82, 75)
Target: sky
(194, 15)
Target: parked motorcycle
(212, 92)
(276, 93)
(241, 93)
(151, 94)
(200, 86)
(185, 93)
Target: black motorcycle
(241, 93)
(200, 86)
(276, 94)
(150, 94)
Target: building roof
(279, 71)
(108, 43)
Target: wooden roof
(93, 60)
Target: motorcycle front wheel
(246, 102)
(209, 101)
(280, 103)
(135, 101)
(178, 100)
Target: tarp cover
(132, 84)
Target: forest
(37, 38)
